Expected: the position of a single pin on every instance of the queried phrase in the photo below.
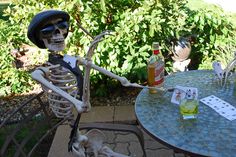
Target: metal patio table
(208, 135)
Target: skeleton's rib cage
(64, 79)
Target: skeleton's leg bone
(78, 147)
(110, 153)
(95, 140)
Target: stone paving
(121, 142)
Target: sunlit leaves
(103, 5)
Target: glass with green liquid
(189, 107)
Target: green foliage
(2, 7)
(135, 25)
(224, 54)
(12, 80)
(215, 32)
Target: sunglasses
(49, 30)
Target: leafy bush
(216, 34)
(12, 80)
(136, 24)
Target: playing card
(227, 113)
(182, 92)
(220, 106)
(218, 69)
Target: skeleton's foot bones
(92, 143)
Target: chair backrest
(26, 127)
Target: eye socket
(63, 25)
(47, 30)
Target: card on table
(220, 106)
(218, 69)
(181, 92)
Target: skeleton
(49, 29)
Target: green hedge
(12, 80)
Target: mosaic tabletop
(209, 135)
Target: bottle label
(159, 74)
(156, 52)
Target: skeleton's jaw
(55, 44)
(56, 40)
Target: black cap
(40, 20)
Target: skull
(53, 34)
(48, 29)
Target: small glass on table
(189, 106)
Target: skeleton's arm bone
(38, 75)
(122, 80)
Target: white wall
(228, 5)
